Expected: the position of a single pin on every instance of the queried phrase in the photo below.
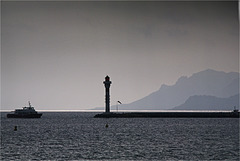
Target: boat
(26, 112)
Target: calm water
(77, 136)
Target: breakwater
(233, 114)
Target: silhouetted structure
(107, 114)
(107, 84)
(26, 112)
(233, 114)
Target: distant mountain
(208, 82)
(209, 103)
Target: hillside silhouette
(204, 86)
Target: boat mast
(29, 103)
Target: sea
(80, 136)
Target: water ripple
(79, 136)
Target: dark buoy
(106, 126)
(15, 128)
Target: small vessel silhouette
(26, 112)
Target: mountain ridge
(207, 82)
(204, 102)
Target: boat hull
(24, 116)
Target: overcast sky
(56, 54)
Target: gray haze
(56, 54)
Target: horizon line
(127, 111)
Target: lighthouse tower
(107, 84)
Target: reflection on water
(77, 135)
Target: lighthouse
(107, 84)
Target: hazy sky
(56, 54)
